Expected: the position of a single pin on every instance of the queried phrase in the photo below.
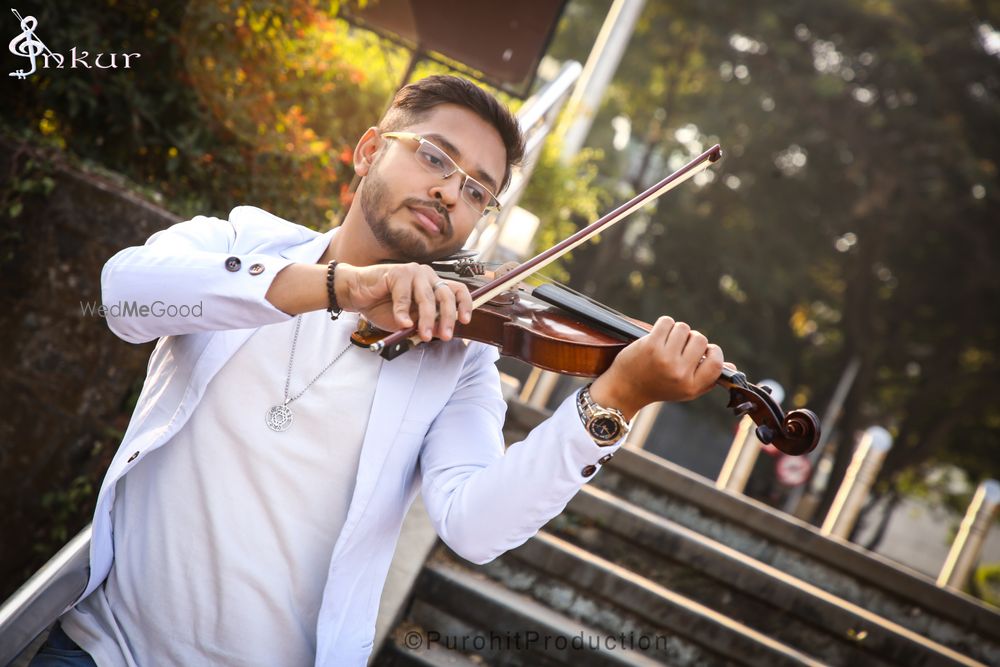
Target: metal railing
(537, 119)
(39, 601)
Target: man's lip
(429, 218)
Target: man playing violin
(252, 511)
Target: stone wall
(68, 383)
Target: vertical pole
(745, 449)
(598, 71)
(538, 388)
(642, 425)
(968, 544)
(816, 485)
(867, 461)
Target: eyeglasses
(436, 161)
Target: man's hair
(413, 102)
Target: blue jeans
(61, 651)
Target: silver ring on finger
(438, 284)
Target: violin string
(541, 278)
(592, 301)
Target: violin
(557, 329)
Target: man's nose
(448, 190)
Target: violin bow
(398, 342)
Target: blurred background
(847, 246)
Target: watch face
(605, 428)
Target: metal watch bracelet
(605, 425)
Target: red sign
(792, 470)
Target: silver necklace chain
(279, 417)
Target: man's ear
(364, 152)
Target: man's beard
(404, 243)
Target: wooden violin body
(556, 329)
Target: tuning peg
(765, 434)
(742, 408)
(765, 388)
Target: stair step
(399, 652)
(477, 602)
(606, 593)
(757, 594)
(840, 568)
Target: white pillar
(867, 461)
(538, 388)
(642, 425)
(597, 73)
(745, 448)
(968, 544)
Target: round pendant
(279, 418)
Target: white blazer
(435, 421)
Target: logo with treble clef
(27, 45)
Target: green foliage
(563, 196)
(986, 583)
(65, 508)
(853, 214)
(33, 179)
(230, 102)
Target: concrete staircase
(651, 564)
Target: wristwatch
(605, 425)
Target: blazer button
(604, 459)
(588, 470)
(256, 269)
(133, 457)
(233, 264)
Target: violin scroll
(795, 433)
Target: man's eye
(477, 194)
(432, 159)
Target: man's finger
(694, 348)
(710, 368)
(401, 288)
(464, 301)
(427, 303)
(677, 339)
(447, 309)
(661, 329)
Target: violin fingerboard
(589, 310)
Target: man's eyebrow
(456, 155)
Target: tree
(852, 214)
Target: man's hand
(672, 363)
(395, 296)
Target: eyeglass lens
(437, 161)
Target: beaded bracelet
(334, 309)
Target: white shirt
(222, 540)
(435, 425)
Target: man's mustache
(446, 228)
